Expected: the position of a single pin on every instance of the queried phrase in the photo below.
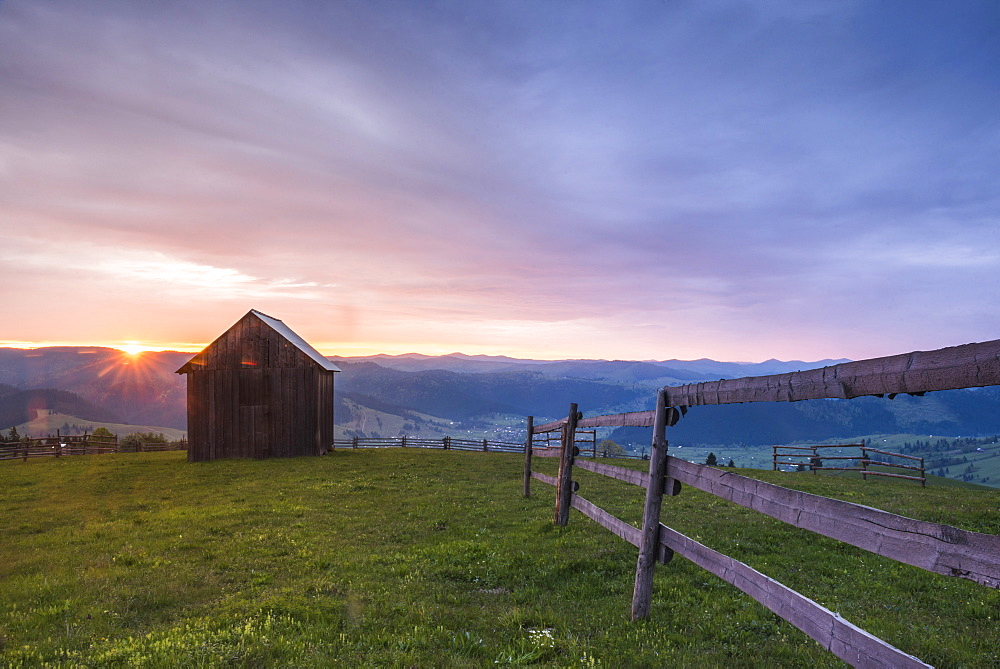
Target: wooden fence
(937, 548)
(446, 443)
(809, 457)
(88, 444)
(39, 447)
(154, 446)
(585, 440)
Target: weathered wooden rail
(59, 446)
(446, 443)
(813, 460)
(586, 440)
(937, 548)
(155, 446)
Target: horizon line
(133, 347)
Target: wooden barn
(259, 391)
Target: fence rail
(814, 461)
(37, 447)
(446, 443)
(840, 637)
(59, 446)
(937, 548)
(828, 628)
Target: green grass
(407, 557)
(987, 464)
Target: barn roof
(301, 343)
(281, 329)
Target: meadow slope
(407, 557)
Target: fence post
(923, 474)
(864, 463)
(527, 456)
(403, 441)
(642, 595)
(447, 443)
(484, 446)
(564, 487)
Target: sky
(620, 180)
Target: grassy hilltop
(431, 558)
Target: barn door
(253, 431)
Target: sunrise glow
(134, 348)
(737, 181)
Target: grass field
(407, 557)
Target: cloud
(771, 171)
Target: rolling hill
(19, 407)
(946, 413)
(459, 396)
(50, 423)
(134, 389)
(427, 395)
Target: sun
(133, 348)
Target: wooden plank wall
(254, 394)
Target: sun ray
(134, 348)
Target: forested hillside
(946, 413)
(145, 389)
(22, 406)
(140, 389)
(462, 396)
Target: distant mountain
(25, 405)
(461, 396)
(952, 413)
(438, 392)
(622, 371)
(145, 389)
(651, 373)
(140, 389)
(734, 370)
(452, 362)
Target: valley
(489, 397)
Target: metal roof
(301, 343)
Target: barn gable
(257, 340)
(259, 391)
